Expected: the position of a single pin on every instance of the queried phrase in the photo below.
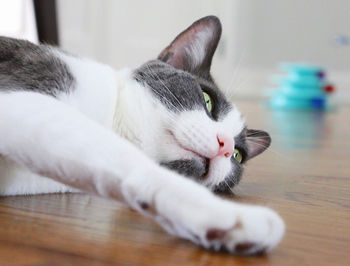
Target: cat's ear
(257, 141)
(193, 49)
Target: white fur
(17, 180)
(72, 140)
(95, 94)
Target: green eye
(237, 155)
(208, 102)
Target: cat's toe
(255, 231)
(262, 229)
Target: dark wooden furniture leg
(46, 21)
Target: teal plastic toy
(303, 87)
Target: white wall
(17, 20)
(128, 33)
(257, 35)
(274, 31)
(295, 30)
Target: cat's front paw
(254, 230)
(222, 225)
(190, 211)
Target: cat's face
(202, 135)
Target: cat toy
(303, 87)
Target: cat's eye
(208, 102)
(237, 155)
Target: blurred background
(257, 35)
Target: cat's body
(90, 87)
(73, 120)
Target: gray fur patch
(179, 90)
(190, 168)
(30, 67)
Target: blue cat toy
(304, 87)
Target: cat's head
(203, 135)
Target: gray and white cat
(68, 124)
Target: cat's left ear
(257, 141)
(193, 49)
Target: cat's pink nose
(225, 145)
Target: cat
(158, 137)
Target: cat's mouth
(204, 161)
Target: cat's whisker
(234, 88)
(236, 189)
(235, 70)
(260, 137)
(161, 96)
(174, 96)
(249, 134)
(235, 74)
(158, 78)
(259, 143)
(271, 150)
(229, 187)
(239, 86)
(150, 75)
(167, 101)
(227, 91)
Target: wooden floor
(305, 177)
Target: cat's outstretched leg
(190, 211)
(55, 140)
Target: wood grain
(305, 176)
